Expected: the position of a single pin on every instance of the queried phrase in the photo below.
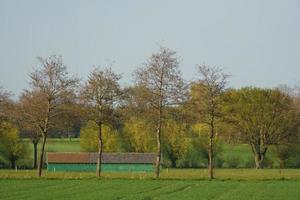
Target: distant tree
(71, 117)
(201, 134)
(289, 146)
(262, 117)
(51, 86)
(207, 97)
(285, 150)
(138, 133)
(100, 95)
(135, 103)
(165, 87)
(175, 137)
(5, 105)
(35, 136)
(11, 147)
(89, 138)
(136, 117)
(27, 127)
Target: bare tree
(100, 94)
(212, 84)
(50, 87)
(35, 137)
(5, 104)
(162, 78)
(71, 117)
(26, 125)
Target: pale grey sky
(256, 41)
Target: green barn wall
(104, 167)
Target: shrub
(294, 159)
(233, 161)
(250, 163)
(268, 163)
(89, 138)
(219, 162)
(12, 148)
(192, 159)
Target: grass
(166, 174)
(175, 184)
(243, 151)
(148, 189)
(58, 144)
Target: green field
(174, 184)
(179, 174)
(148, 189)
(58, 144)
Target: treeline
(160, 112)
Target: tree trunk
(211, 147)
(158, 143)
(259, 158)
(42, 155)
(210, 158)
(34, 155)
(100, 148)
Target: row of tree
(160, 107)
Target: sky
(257, 41)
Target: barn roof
(84, 157)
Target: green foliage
(249, 163)
(191, 159)
(233, 161)
(12, 148)
(259, 112)
(138, 135)
(268, 162)
(89, 138)
(293, 159)
(201, 135)
(195, 152)
(262, 117)
(175, 140)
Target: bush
(294, 160)
(166, 163)
(233, 161)
(200, 145)
(219, 162)
(12, 149)
(192, 159)
(268, 163)
(89, 138)
(250, 163)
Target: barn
(86, 162)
